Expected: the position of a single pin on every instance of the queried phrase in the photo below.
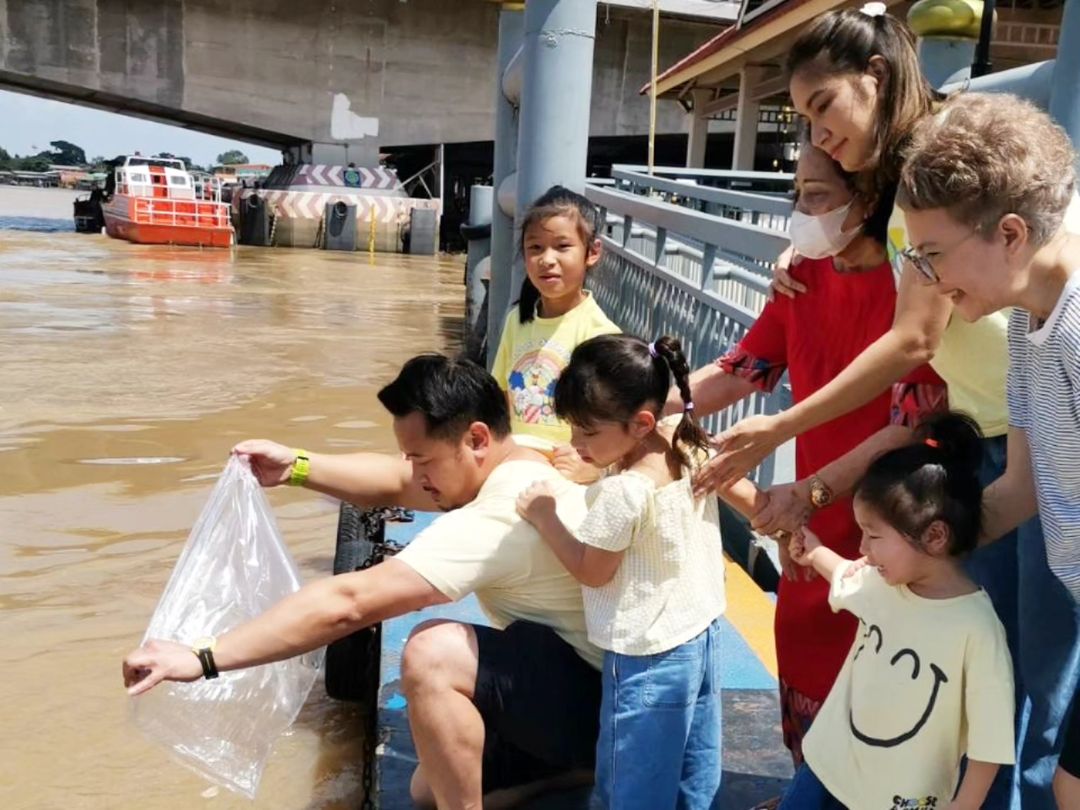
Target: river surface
(127, 374)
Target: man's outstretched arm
(365, 479)
(314, 616)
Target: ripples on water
(128, 372)
(36, 224)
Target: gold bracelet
(301, 468)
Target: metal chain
(373, 522)
(367, 780)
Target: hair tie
(873, 9)
(689, 406)
(652, 350)
(933, 443)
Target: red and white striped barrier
(320, 174)
(312, 204)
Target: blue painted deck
(756, 765)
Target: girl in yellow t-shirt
(560, 243)
(928, 680)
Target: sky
(31, 122)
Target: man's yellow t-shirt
(530, 359)
(486, 548)
(926, 682)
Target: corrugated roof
(729, 36)
(716, 10)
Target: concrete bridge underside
(328, 80)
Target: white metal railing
(687, 262)
(668, 269)
(758, 198)
(137, 181)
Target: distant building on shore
(49, 179)
(241, 172)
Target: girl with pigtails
(650, 559)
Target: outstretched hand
(740, 449)
(158, 661)
(270, 462)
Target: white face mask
(821, 236)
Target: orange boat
(156, 201)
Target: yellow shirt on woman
(972, 358)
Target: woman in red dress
(850, 303)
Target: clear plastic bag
(233, 567)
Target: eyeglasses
(922, 263)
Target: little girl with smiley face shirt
(928, 680)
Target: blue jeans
(994, 568)
(1042, 625)
(807, 793)
(1049, 666)
(659, 745)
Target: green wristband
(300, 469)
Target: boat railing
(180, 213)
(136, 181)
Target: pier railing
(672, 269)
(757, 198)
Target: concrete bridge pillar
(746, 119)
(364, 153)
(699, 129)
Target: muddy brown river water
(127, 373)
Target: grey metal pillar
(1029, 81)
(511, 24)
(946, 60)
(478, 232)
(1065, 83)
(553, 136)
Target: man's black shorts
(540, 702)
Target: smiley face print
(901, 673)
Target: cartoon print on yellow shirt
(532, 383)
(896, 674)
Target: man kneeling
(489, 707)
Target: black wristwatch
(204, 651)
